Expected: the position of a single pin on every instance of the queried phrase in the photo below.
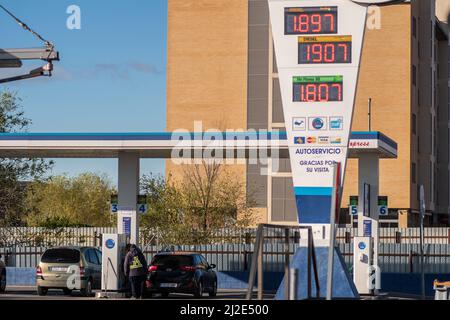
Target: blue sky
(111, 77)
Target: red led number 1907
(332, 52)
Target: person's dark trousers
(127, 287)
(137, 286)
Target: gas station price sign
(318, 89)
(324, 49)
(311, 20)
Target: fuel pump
(362, 264)
(113, 255)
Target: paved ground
(29, 293)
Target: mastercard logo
(311, 140)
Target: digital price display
(324, 49)
(311, 20)
(318, 89)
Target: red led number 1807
(318, 89)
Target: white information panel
(318, 47)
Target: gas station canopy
(162, 144)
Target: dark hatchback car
(181, 273)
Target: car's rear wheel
(87, 290)
(213, 291)
(3, 282)
(42, 291)
(199, 291)
(165, 294)
(67, 291)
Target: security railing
(258, 265)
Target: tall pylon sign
(318, 46)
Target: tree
(62, 201)
(14, 173)
(207, 198)
(166, 214)
(214, 197)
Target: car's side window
(99, 255)
(87, 255)
(96, 260)
(92, 256)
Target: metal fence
(231, 250)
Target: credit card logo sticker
(318, 124)
(299, 140)
(323, 140)
(311, 140)
(336, 123)
(299, 124)
(336, 140)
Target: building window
(413, 173)
(414, 75)
(432, 41)
(432, 135)
(431, 182)
(432, 86)
(418, 144)
(414, 27)
(414, 123)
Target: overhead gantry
(13, 58)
